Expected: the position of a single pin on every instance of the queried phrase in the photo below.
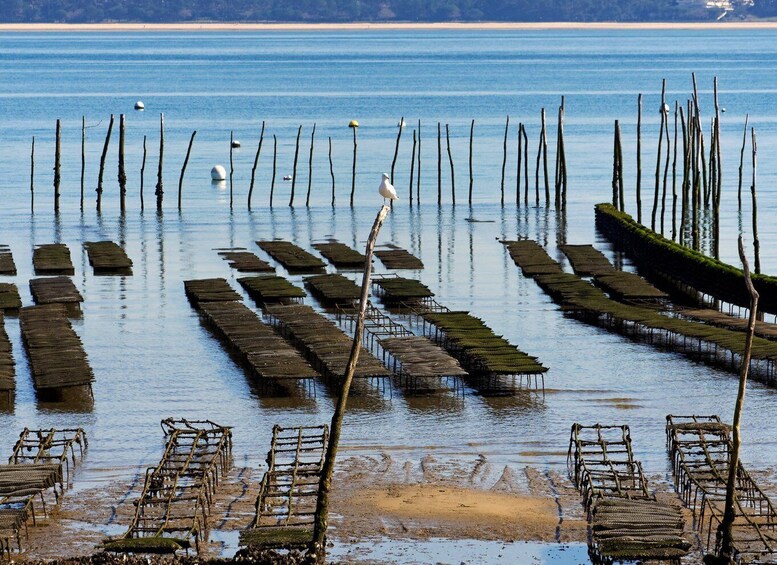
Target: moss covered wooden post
(724, 530)
(318, 545)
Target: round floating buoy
(353, 124)
(286, 177)
(722, 109)
(139, 105)
(218, 173)
(235, 144)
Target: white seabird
(386, 189)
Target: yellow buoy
(353, 124)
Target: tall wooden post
(525, 167)
(331, 170)
(412, 168)
(518, 168)
(471, 179)
(318, 545)
(294, 171)
(756, 243)
(122, 172)
(639, 158)
(418, 173)
(159, 183)
(400, 126)
(57, 164)
(32, 176)
(504, 161)
(450, 160)
(741, 163)
(83, 158)
(354, 127)
(310, 165)
(274, 167)
(102, 165)
(658, 157)
(439, 165)
(142, 172)
(545, 158)
(232, 167)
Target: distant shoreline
(484, 26)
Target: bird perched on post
(386, 189)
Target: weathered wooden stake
(353, 170)
(418, 173)
(57, 163)
(274, 162)
(686, 176)
(83, 158)
(318, 545)
(183, 168)
(102, 165)
(639, 158)
(439, 165)
(122, 172)
(450, 160)
(756, 243)
(294, 172)
(142, 172)
(310, 165)
(231, 166)
(545, 158)
(665, 111)
(615, 168)
(674, 173)
(331, 170)
(256, 164)
(724, 530)
(396, 146)
(32, 176)
(412, 169)
(504, 160)
(160, 193)
(518, 168)
(471, 178)
(658, 157)
(619, 146)
(525, 167)
(741, 163)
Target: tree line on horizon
(340, 11)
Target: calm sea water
(151, 356)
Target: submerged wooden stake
(525, 166)
(504, 161)
(331, 171)
(83, 158)
(159, 184)
(142, 172)
(57, 164)
(310, 165)
(256, 164)
(518, 168)
(294, 171)
(724, 530)
(102, 165)
(450, 160)
(232, 166)
(122, 172)
(396, 147)
(615, 195)
(418, 173)
(544, 137)
(183, 168)
(274, 168)
(318, 545)
(412, 168)
(439, 166)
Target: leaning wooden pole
(256, 164)
(504, 161)
(450, 160)
(294, 170)
(741, 163)
(318, 545)
(310, 165)
(122, 172)
(83, 158)
(756, 243)
(471, 178)
(639, 158)
(183, 169)
(400, 127)
(102, 165)
(57, 164)
(729, 514)
(160, 193)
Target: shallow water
(152, 357)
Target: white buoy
(139, 105)
(218, 173)
(286, 177)
(722, 109)
(235, 143)
(664, 108)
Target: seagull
(386, 189)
